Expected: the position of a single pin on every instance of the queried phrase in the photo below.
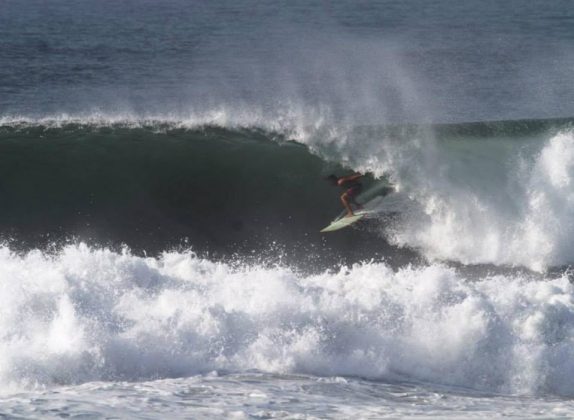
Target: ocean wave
(477, 193)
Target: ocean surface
(162, 188)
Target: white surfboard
(346, 221)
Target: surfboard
(371, 199)
(343, 222)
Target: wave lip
(297, 123)
(95, 315)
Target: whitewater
(88, 326)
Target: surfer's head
(333, 179)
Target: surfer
(352, 188)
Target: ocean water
(162, 186)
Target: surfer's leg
(345, 200)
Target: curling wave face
(224, 192)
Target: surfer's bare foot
(350, 215)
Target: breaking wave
(93, 314)
(483, 193)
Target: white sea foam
(490, 205)
(261, 395)
(88, 315)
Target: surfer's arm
(349, 178)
